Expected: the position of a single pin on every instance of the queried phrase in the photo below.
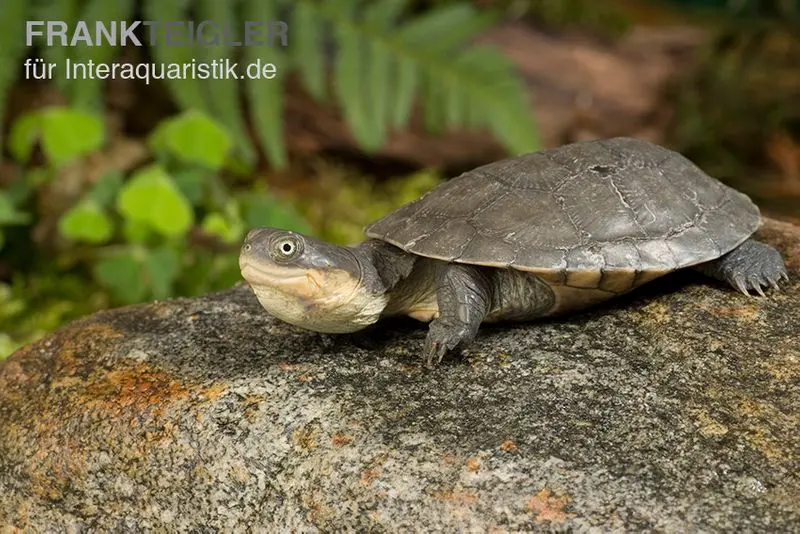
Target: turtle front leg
(749, 266)
(463, 294)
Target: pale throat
(329, 301)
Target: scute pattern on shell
(613, 205)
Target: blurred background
(125, 190)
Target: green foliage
(12, 48)
(87, 92)
(120, 271)
(134, 273)
(86, 222)
(189, 93)
(38, 303)
(173, 226)
(266, 97)
(385, 60)
(83, 92)
(106, 188)
(194, 138)
(262, 209)
(344, 202)
(153, 199)
(65, 134)
(603, 17)
(741, 94)
(781, 9)
(68, 11)
(130, 233)
(228, 229)
(9, 214)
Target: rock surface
(673, 410)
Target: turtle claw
(433, 353)
(740, 285)
(754, 284)
(774, 278)
(758, 289)
(442, 338)
(758, 282)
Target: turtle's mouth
(260, 275)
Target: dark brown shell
(599, 206)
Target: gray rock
(671, 410)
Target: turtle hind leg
(750, 266)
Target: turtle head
(310, 283)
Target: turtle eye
(286, 248)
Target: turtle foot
(442, 338)
(752, 266)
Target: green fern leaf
(223, 93)
(307, 48)
(380, 94)
(474, 112)
(12, 45)
(87, 92)
(350, 68)
(391, 83)
(406, 82)
(266, 96)
(455, 104)
(345, 8)
(188, 92)
(67, 11)
(446, 27)
(517, 133)
(434, 112)
(384, 14)
(515, 130)
(380, 68)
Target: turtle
(533, 236)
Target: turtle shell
(577, 213)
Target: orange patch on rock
(340, 439)
(743, 312)
(140, 388)
(449, 459)
(368, 475)
(548, 507)
(508, 446)
(473, 464)
(215, 391)
(57, 355)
